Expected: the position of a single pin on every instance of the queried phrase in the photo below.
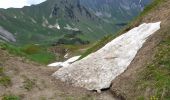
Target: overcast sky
(18, 3)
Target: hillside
(66, 21)
(146, 78)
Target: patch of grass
(5, 80)
(43, 58)
(1, 70)
(141, 98)
(29, 84)
(154, 4)
(33, 52)
(11, 49)
(31, 49)
(10, 97)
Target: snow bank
(97, 70)
(64, 64)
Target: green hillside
(53, 21)
(38, 24)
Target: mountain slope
(120, 11)
(50, 21)
(147, 77)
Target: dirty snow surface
(65, 63)
(97, 70)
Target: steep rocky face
(116, 10)
(7, 36)
(73, 10)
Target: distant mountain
(117, 10)
(56, 21)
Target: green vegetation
(29, 84)
(10, 97)
(151, 6)
(33, 52)
(28, 24)
(157, 74)
(4, 80)
(1, 70)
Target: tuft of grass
(1, 70)
(29, 84)
(10, 97)
(5, 80)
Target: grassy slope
(33, 52)
(152, 81)
(157, 74)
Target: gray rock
(7, 36)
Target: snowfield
(97, 70)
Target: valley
(122, 48)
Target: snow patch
(68, 27)
(33, 20)
(55, 26)
(66, 55)
(65, 63)
(15, 17)
(97, 70)
(46, 24)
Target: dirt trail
(31, 81)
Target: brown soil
(31, 81)
(124, 85)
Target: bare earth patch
(31, 81)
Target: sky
(18, 3)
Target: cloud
(34, 1)
(18, 3)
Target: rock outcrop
(7, 36)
